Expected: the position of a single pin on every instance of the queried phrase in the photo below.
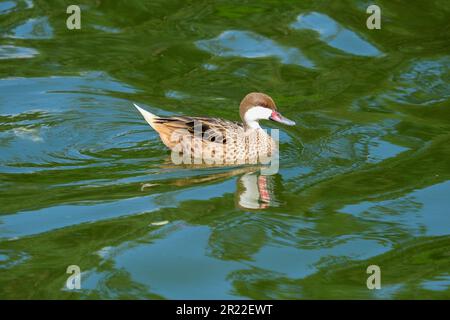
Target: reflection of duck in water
(253, 189)
(216, 132)
(256, 191)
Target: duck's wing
(212, 130)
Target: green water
(364, 176)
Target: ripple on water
(173, 280)
(173, 94)
(210, 67)
(299, 263)
(106, 28)
(32, 134)
(7, 6)
(28, 94)
(13, 52)
(438, 283)
(34, 28)
(419, 213)
(423, 83)
(237, 43)
(380, 149)
(9, 258)
(335, 35)
(64, 118)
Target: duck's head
(259, 106)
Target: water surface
(364, 176)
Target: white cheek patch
(257, 113)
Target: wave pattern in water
(363, 176)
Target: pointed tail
(148, 116)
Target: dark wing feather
(212, 129)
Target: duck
(219, 140)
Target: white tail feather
(148, 116)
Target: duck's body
(218, 138)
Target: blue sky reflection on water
(363, 178)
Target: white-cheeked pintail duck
(240, 142)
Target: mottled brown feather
(213, 130)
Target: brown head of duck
(258, 106)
